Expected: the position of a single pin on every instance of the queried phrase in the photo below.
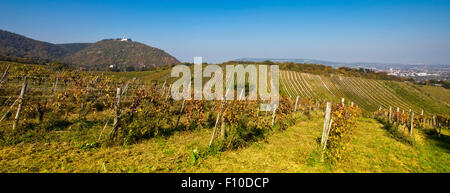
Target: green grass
(372, 148)
(370, 94)
(415, 97)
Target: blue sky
(347, 31)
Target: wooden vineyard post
(296, 102)
(104, 127)
(423, 119)
(117, 113)
(6, 101)
(403, 117)
(4, 76)
(162, 87)
(342, 101)
(9, 110)
(434, 121)
(325, 122)
(19, 109)
(397, 115)
(351, 104)
(411, 121)
(56, 84)
(326, 138)
(240, 95)
(222, 119)
(390, 115)
(326, 128)
(222, 128)
(215, 128)
(274, 113)
(168, 92)
(125, 90)
(181, 112)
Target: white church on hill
(124, 39)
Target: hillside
(372, 149)
(61, 133)
(121, 53)
(74, 47)
(12, 44)
(369, 94)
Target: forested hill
(74, 47)
(16, 45)
(121, 54)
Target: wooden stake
(390, 115)
(411, 120)
(19, 109)
(104, 127)
(125, 90)
(398, 117)
(240, 95)
(168, 91)
(4, 76)
(296, 102)
(325, 123)
(273, 114)
(215, 128)
(9, 110)
(222, 119)
(162, 87)
(326, 138)
(56, 84)
(6, 101)
(179, 115)
(117, 113)
(222, 128)
(434, 121)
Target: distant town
(418, 72)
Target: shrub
(344, 119)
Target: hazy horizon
(405, 32)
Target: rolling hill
(123, 54)
(74, 47)
(369, 94)
(16, 45)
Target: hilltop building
(124, 39)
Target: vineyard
(369, 94)
(59, 119)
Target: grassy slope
(436, 93)
(419, 99)
(430, 98)
(372, 149)
(370, 94)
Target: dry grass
(372, 149)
